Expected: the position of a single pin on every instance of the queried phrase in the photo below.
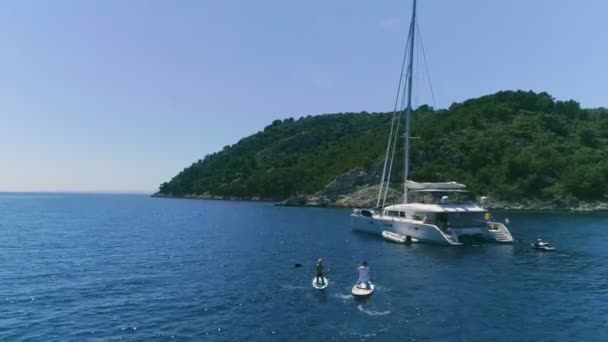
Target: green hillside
(511, 145)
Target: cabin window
(421, 217)
(395, 213)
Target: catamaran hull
(375, 225)
(426, 233)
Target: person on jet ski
(540, 243)
(320, 270)
(364, 275)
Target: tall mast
(406, 148)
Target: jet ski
(542, 246)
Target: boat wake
(362, 336)
(373, 313)
(384, 289)
(292, 287)
(343, 296)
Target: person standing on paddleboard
(363, 275)
(320, 276)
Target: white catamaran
(440, 213)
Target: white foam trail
(373, 313)
(343, 296)
(291, 287)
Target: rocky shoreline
(207, 196)
(355, 189)
(366, 198)
(356, 200)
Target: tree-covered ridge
(511, 145)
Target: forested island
(524, 150)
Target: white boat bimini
(440, 213)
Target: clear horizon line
(100, 192)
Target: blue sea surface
(129, 267)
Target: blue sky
(112, 95)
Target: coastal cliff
(524, 150)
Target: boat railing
(449, 234)
(494, 225)
(499, 231)
(454, 237)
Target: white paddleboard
(362, 291)
(320, 286)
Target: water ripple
(101, 267)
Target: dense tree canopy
(511, 145)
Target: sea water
(129, 267)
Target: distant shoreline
(582, 207)
(215, 198)
(147, 193)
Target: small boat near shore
(397, 238)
